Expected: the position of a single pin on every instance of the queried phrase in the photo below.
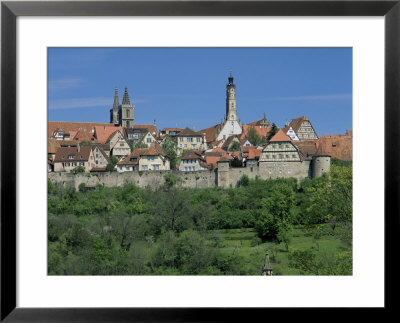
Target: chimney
(78, 147)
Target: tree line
(132, 231)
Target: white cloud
(100, 102)
(341, 96)
(80, 103)
(65, 83)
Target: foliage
(139, 144)
(212, 231)
(82, 187)
(243, 181)
(78, 169)
(169, 145)
(235, 162)
(114, 160)
(234, 146)
(273, 132)
(253, 136)
(170, 180)
(110, 167)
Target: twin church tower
(123, 114)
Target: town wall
(153, 179)
(225, 176)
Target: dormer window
(71, 156)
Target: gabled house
(119, 146)
(288, 130)
(303, 128)
(143, 159)
(192, 161)
(101, 159)
(148, 139)
(280, 149)
(68, 158)
(189, 140)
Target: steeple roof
(125, 99)
(116, 99)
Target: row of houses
(93, 145)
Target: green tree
(235, 146)
(253, 137)
(243, 181)
(274, 130)
(169, 145)
(78, 169)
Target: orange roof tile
(103, 133)
(296, 123)
(211, 133)
(280, 136)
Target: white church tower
(231, 125)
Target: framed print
(39, 39)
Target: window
(198, 139)
(280, 172)
(180, 139)
(156, 166)
(144, 167)
(185, 169)
(280, 156)
(81, 164)
(127, 115)
(71, 156)
(148, 140)
(189, 139)
(185, 146)
(289, 171)
(121, 145)
(194, 146)
(120, 167)
(270, 172)
(280, 145)
(287, 156)
(293, 156)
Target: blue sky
(182, 87)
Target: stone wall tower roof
(125, 99)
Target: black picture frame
(10, 10)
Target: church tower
(126, 113)
(231, 113)
(114, 111)
(231, 125)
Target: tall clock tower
(231, 113)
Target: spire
(230, 78)
(125, 99)
(116, 99)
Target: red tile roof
(71, 126)
(188, 133)
(336, 146)
(78, 156)
(211, 133)
(52, 145)
(261, 130)
(280, 136)
(296, 123)
(103, 133)
(150, 127)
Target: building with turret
(122, 114)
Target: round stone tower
(320, 165)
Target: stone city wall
(225, 176)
